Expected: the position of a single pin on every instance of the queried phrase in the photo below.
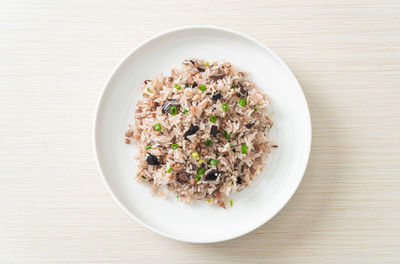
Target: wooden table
(54, 59)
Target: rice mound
(201, 132)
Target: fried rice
(202, 132)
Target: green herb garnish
(173, 110)
(255, 109)
(186, 85)
(195, 155)
(143, 177)
(208, 142)
(234, 86)
(202, 87)
(169, 170)
(225, 107)
(242, 102)
(214, 162)
(244, 149)
(177, 87)
(174, 146)
(231, 203)
(226, 135)
(149, 146)
(197, 178)
(157, 127)
(148, 89)
(201, 171)
(185, 111)
(213, 119)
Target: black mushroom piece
(251, 124)
(217, 77)
(214, 130)
(239, 180)
(192, 166)
(192, 130)
(198, 68)
(212, 175)
(194, 85)
(217, 95)
(152, 160)
(167, 105)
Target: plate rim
(293, 186)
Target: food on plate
(201, 132)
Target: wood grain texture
(54, 59)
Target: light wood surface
(54, 59)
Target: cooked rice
(245, 123)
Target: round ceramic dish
(200, 222)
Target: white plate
(253, 206)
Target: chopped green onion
(255, 109)
(177, 197)
(157, 127)
(238, 94)
(202, 87)
(201, 171)
(200, 161)
(244, 149)
(149, 146)
(208, 142)
(148, 89)
(207, 63)
(225, 107)
(233, 85)
(230, 145)
(231, 203)
(242, 102)
(213, 119)
(186, 85)
(143, 177)
(214, 162)
(174, 146)
(226, 135)
(197, 178)
(169, 170)
(185, 111)
(233, 183)
(195, 155)
(173, 110)
(177, 87)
